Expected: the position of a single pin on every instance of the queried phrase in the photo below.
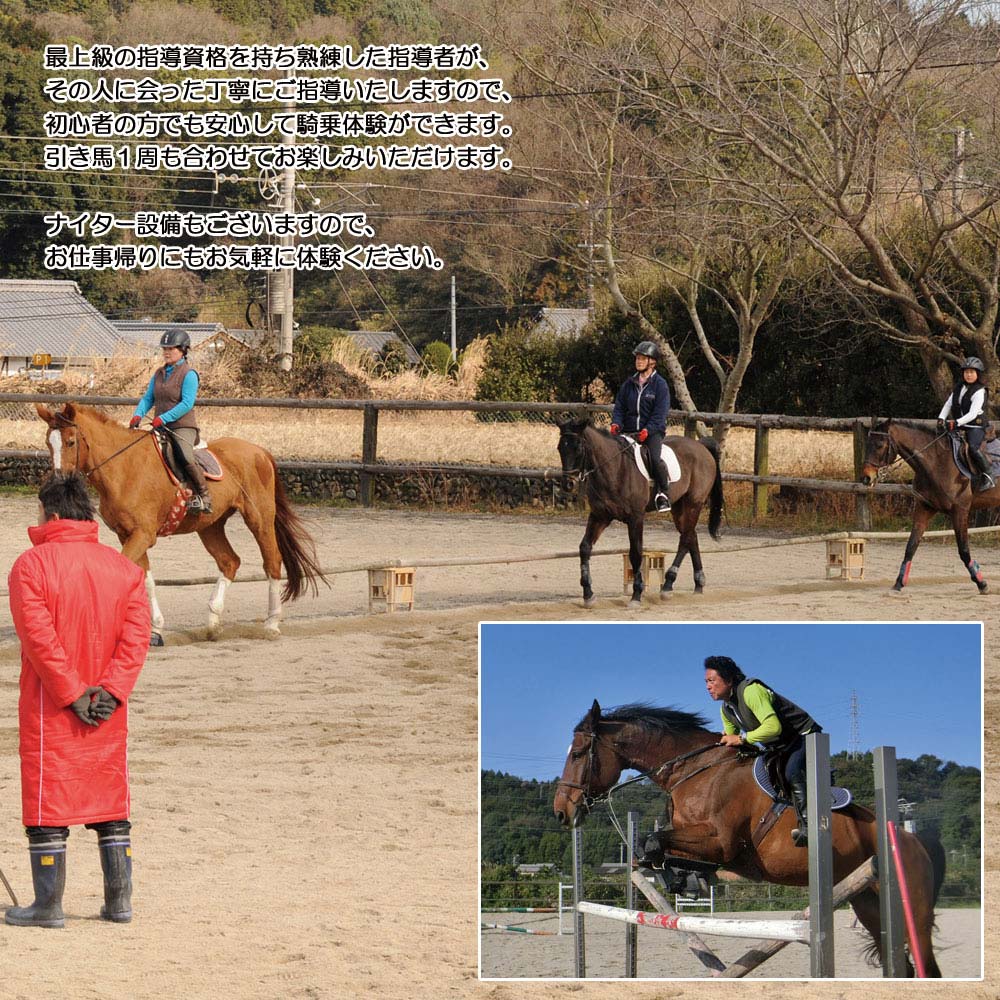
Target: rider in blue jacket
(641, 408)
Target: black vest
(959, 408)
(794, 720)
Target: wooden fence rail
(369, 467)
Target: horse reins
(589, 801)
(894, 450)
(581, 473)
(70, 423)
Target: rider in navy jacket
(641, 408)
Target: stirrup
(800, 837)
(200, 504)
(985, 482)
(662, 502)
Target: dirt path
(306, 810)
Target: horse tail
(935, 851)
(298, 551)
(715, 505)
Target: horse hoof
(214, 633)
(699, 590)
(666, 595)
(589, 602)
(155, 639)
(633, 604)
(272, 632)
(984, 589)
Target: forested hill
(517, 818)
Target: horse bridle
(79, 430)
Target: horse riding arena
(305, 809)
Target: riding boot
(116, 864)
(48, 876)
(800, 836)
(662, 499)
(202, 500)
(985, 481)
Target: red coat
(81, 613)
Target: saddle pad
(210, 465)
(666, 454)
(992, 450)
(841, 797)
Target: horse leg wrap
(699, 580)
(155, 615)
(904, 573)
(668, 578)
(974, 571)
(273, 604)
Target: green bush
(437, 357)
(521, 365)
(393, 359)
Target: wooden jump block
(391, 588)
(845, 559)
(654, 565)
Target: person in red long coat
(81, 612)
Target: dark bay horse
(717, 804)
(136, 496)
(937, 483)
(618, 491)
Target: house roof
(53, 317)
(147, 333)
(562, 322)
(375, 341)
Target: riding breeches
(654, 442)
(974, 435)
(184, 440)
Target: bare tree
(882, 122)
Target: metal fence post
(631, 930)
(890, 907)
(820, 855)
(369, 449)
(579, 946)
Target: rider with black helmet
(965, 409)
(641, 408)
(171, 393)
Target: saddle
(640, 453)
(963, 461)
(769, 774)
(210, 465)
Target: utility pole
(454, 352)
(287, 273)
(958, 179)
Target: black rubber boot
(800, 837)
(116, 862)
(48, 875)
(202, 500)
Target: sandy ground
(663, 954)
(305, 809)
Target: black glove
(103, 706)
(81, 707)
(940, 425)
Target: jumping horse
(136, 497)
(618, 491)
(937, 483)
(715, 804)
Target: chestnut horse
(716, 804)
(618, 491)
(937, 483)
(136, 496)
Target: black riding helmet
(649, 349)
(176, 337)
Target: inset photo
(766, 800)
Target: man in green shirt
(766, 718)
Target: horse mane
(909, 424)
(98, 415)
(654, 718)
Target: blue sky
(919, 686)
